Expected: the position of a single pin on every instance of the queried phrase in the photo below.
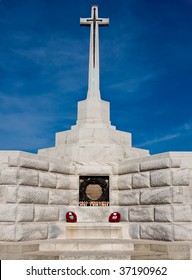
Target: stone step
(82, 245)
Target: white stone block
(182, 232)
(114, 198)
(64, 168)
(67, 182)
(25, 213)
(126, 168)
(8, 176)
(7, 232)
(113, 181)
(141, 214)
(156, 196)
(59, 197)
(163, 214)
(155, 164)
(46, 213)
(13, 161)
(28, 177)
(2, 194)
(7, 213)
(47, 180)
(31, 231)
(124, 182)
(178, 194)
(161, 178)
(129, 198)
(141, 180)
(74, 200)
(157, 231)
(56, 230)
(11, 194)
(33, 164)
(30, 195)
(134, 230)
(181, 177)
(175, 162)
(182, 213)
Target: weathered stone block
(59, 197)
(141, 214)
(181, 177)
(175, 162)
(61, 168)
(161, 178)
(13, 161)
(8, 176)
(74, 200)
(2, 194)
(141, 180)
(25, 213)
(31, 231)
(46, 213)
(114, 198)
(129, 198)
(47, 180)
(163, 214)
(124, 182)
(128, 168)
(134, 230)
(67, 182)
(156, 231)
(7, 232)
(7, 213)
(156, 196)
(182, 232)
(55, 230)
(11, 194)
(182, 213)
(155, 164)
(28, 177)
(32, 195)
(177, 194)
(34, 164)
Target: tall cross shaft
(94, 22)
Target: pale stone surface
(31, 231)
(157, 231)
(47, 180)
(129, 198)
(25, 213)
(175, 162)
(125, 168)
(8, 176)
(64, 168)
(67, 182)
(93, 168)
(161, 178)
(155, 164)
(7, 232)
(182, 213)
(178, 194)
(55, 230)
(33, 164)
(134, 230)
(7, 213)
(46, 213)
(2, 194)
(13, 161)
(114, 198)
(74, 194)
(182, 231)
(141, 180)
(30, 195)
(61, 197)
(28, 177)
(11, 194)
(180, 177)
(163, 214)
(156, 196)
(124, 182)
(141, 214)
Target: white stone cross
(94, 22)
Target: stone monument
(93, 170)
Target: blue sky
(146, 70)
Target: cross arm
(85, 21)
(103, 21)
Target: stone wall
(34, 195)
(157, 192)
